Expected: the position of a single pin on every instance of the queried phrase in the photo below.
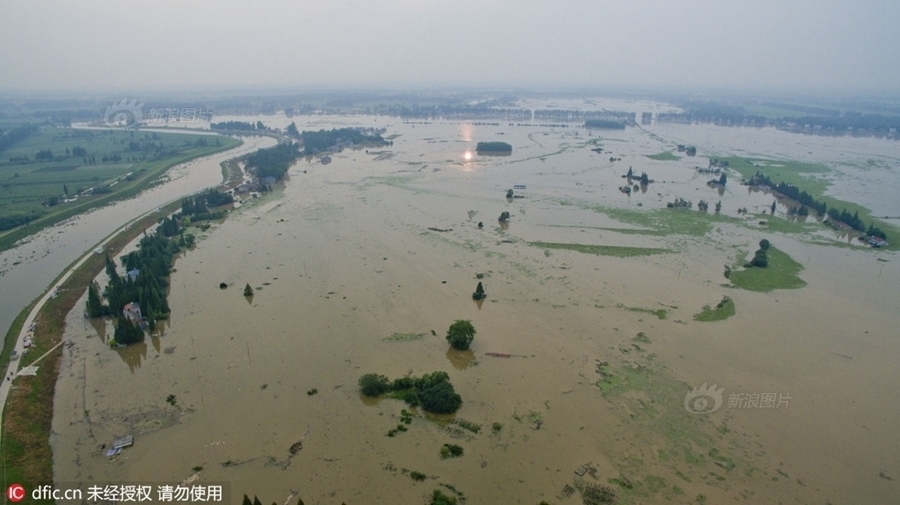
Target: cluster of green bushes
(237, 126)
(323, 140)
(493, 147)
(604, 124)
(200, 203)
(433, 392)
(273, 162)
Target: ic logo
(15, 493)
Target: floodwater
(27, 270)
(343, 258)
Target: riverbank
(28, 412)
(29, 269)
(28, 409)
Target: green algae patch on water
(651, 402)
(404, 337)
(664, 222)
(663, 156)
(723, 310)
(782, 273)
(603, 250)
(660, 313)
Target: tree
(373, 384)
(718, 206)
(248, 291)
(126, 332)
(94, 305)
(461, 334)
(723, 179)
(479, 292)
(760, 259)
(292, 130)
(66, 190)
(773, 206)
(441, 398)
(764, 244)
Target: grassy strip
(722, 311)
(124, 190)
(663, 156)
(27, 456)
(782, 273)
(603, 250)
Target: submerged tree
(248, 291)
(461, 334)
(373, 384)
(127, 332)
(479, 292)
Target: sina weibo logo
(703, 400)
(124, 113)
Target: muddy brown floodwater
(351, 276)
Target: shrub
(451, 451)
(372, 384)
(439, 498)
(403, 383)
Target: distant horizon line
(680, 91)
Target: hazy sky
(125, 45)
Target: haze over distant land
(147, 45)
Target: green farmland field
(56, 173)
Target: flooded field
(362, 264)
